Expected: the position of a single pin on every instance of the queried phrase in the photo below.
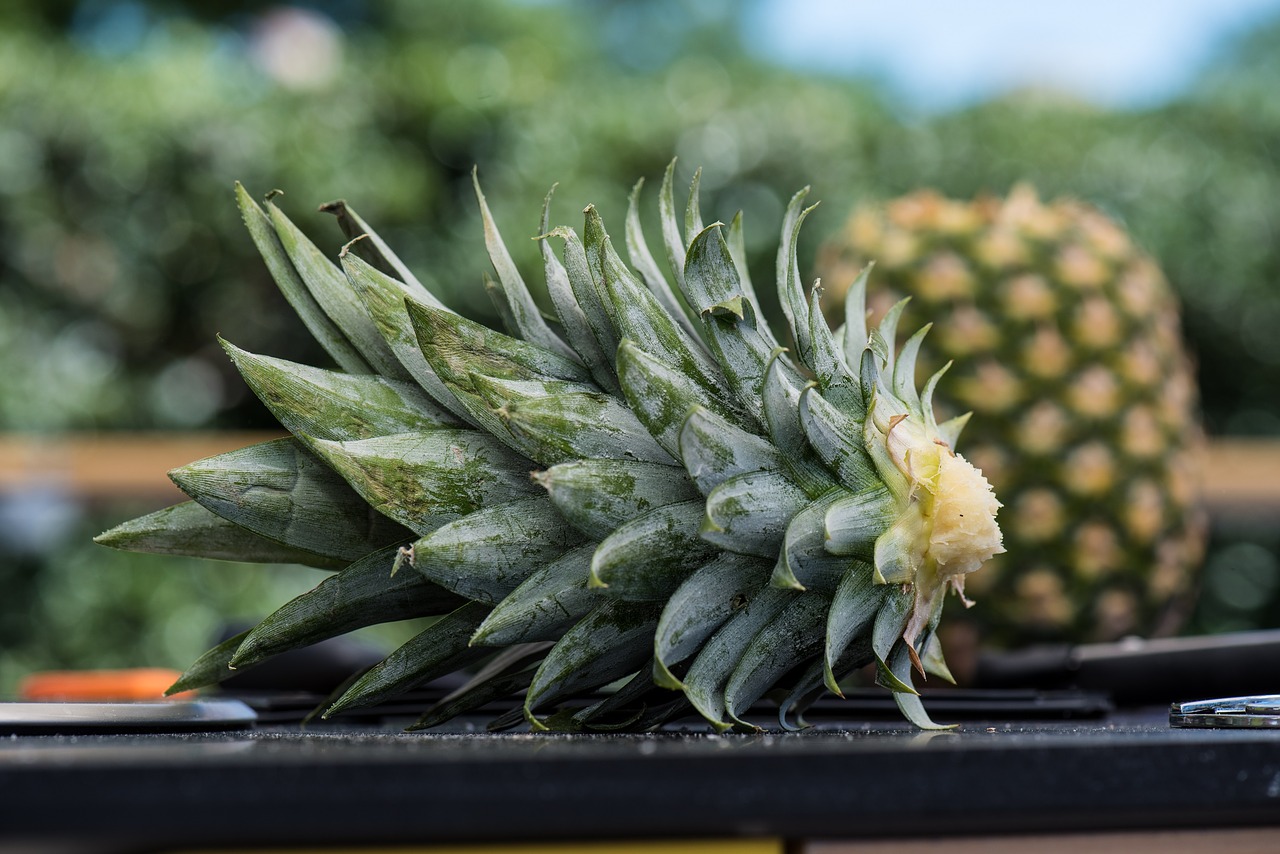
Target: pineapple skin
(1067, 348)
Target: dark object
(319, 668)
(115, 718)
(1145, 672)
(367, 786)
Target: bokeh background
(123, 126)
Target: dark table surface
(378, 785)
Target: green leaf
(671, 239)
(599, 495)
(887, 332)
(364, 594)
(838, 440)
(715, 663)
(527, 316)
(804, 562)
(886, 634)
(280, 491)
(424, 480)
(583, 280)
(738, 251)
(790, 289)
(787, 640)
(899, 550)
(642, 259)
(640, 318)
(854, 521)
(700, 605)
(440, 649)
(742, 341)
(552, 428)
(781, 414)
(487, 554)
(833, 374)
(332, 405)
(749, 513)
(324, 330)
(467, 348)
(210, 668)
(328, 284)
(578, 328)
(909, 703)
(904, 371)
(545, 604)
(374, 251)
(384, 299)
(661, 396)
(476, 695)
(192, 531)
(692, 211)
(612, 641)
(855, 318)
(649, 556)
(857, 602)
(713, 450)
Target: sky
(941, 54)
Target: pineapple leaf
(467, 347)
(278, 490)
(327, 283)
(855, 318)
(333, 405)
(748, 514)
(190, 530)
(476, 695)
(210, 668)
(828, 364)
(598, 495)
(909, 701)
(787, 640)
(582, 334)
(853, 611)
(804, 562)
(363, 594)
(324, 330)
(441, 648)
(713, 450)
(524, 311)
(374, 251)
(738, 251)
(719, 656)
(639, 317)
(487, 554)
(583, 279)
(837, 438)
(648, 557)
(612, 641)
(544, 605)
(700, 605)
(671, 238)
(642, 259)
(424, 480)
(790, 289)
(559, 426)
(854, 521)
(384, 298)
(781, 404)
(660, 396)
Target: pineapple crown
(710, 515)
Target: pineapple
(1067, 344)
(647, 488)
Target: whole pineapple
(631, 491)
(1067, 345)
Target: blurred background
(123, 126)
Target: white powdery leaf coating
(965, 534)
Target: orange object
(139, 683)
